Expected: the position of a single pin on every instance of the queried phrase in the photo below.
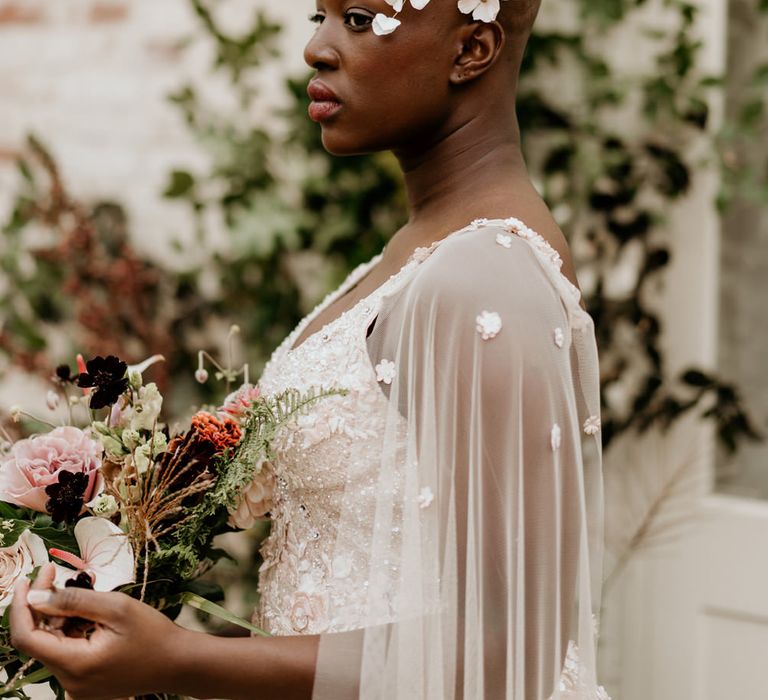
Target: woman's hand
(129, 653)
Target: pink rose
(35, 463)
(17, 561)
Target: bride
(436, 530)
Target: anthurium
(105, 554)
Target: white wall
(91, 78)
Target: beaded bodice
(337, 443)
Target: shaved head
(517, 16)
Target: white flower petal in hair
(396, 5)
(383, 25)
(482, 10)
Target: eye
(316, 18)
(356, 19)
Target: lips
(325, 103)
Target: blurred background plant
(298, 220)
(611, 153)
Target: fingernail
(38, 597)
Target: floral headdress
(481, 10)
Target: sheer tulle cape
(487, 541)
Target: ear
(480, 45)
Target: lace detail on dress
(337, 443)
(572, 683)
(326, 464)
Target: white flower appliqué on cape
(592, 425)
(385, 371)
(556, 437)
(426, 497)
(489, 324)
(504, 240)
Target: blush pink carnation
(257, 500)
(35, 463)
(238, 402)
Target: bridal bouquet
(118, 503)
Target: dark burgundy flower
(106, 375)
(78, 626)
(64, 374)
(82, 580)
(66, 497)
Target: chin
(344, 138)
(340, 144)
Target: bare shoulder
(533, 211)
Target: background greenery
(611, 154)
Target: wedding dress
(439, 524)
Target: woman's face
(374, 93)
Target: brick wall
(90, 77)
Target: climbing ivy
(611, 155)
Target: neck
(473, 164)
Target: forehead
(373, 5)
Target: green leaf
(35, 677)
(54, 537)
(206, 589)
(181, 185)
(11, 530)
(25, 171)
(752, 113)
(199, 603)
(10, 511)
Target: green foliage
(611, 155)
(611, 188)
(14, 521)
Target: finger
(45, 577)
(105, 608)
(21, 619)
(45, 581)
(25, 635)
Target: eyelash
(317, 18)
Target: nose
(319, 53)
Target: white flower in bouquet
(147, 409)
(104, 506)
(19, 560)
(159, 444)
(112, 446)
(131, 438)
(142, 457)
(105, 554)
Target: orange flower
(223, 433)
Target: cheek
(392, 103)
